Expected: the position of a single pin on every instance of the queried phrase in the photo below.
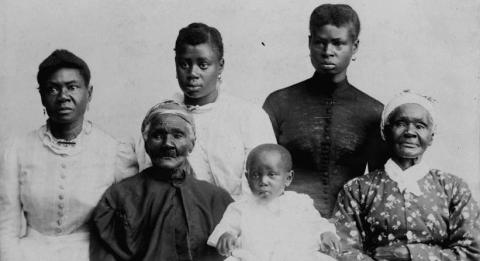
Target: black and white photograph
(239, 130)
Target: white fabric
(407, 180)
(226, 131)
(404, 98)
(286, 229)
(52, 189)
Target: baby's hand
(330, 242)
(226, 244)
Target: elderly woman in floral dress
(408, 211)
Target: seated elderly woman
(163, 213)
(408, 211)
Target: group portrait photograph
(240, 130)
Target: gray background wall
(430, 46)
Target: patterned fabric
(442, 223)
(48, 191)
(332, 132)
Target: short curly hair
(337, 15)
(199, 33)
(61, 58)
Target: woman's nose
(328, 50)
(168, 140)
(64, 93)
(194, 71)
(410, 130)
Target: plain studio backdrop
(427, 46)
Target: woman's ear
(192, 143)
(356, 43)
(90, 92)
(222, 65)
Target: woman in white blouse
(227, 127)
(52, 178)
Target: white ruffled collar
(407, 180)
(60, 148)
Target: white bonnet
(405, 97)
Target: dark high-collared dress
(332, 132)
(152, 216)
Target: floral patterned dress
(441, 223)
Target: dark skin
(409, 133)
(331, 49)
(65, 96)
(198, 70)
(169, 142)
(269, 165)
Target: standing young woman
(52, 178)
(227, 127)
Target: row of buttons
(61, 197)
(325, 147)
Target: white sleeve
(11, 215)
(315, 222)
(142, 157)
(126, 163)
(230, 223)
(257, 129)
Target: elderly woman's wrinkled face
(169, 141)
(410, 131)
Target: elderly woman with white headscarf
(408, 211)
(164, 212)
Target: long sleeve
(11, 215)
(376, 148)
(463, 240)
(349, 224)
(257, 129)
(126, 163)
(267, 106)
(230, 222)
(109, 235)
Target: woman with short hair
(227, 127)
(52, 178)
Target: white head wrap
(405, 97)
(167, 107)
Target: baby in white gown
(273, 224)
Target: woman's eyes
(51, 90)
(178, 135)
(72, 87)
(400, 124)
(183, 65)
(419, 125)
(201, 65)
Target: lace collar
(60, 146)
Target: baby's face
(267, 176)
